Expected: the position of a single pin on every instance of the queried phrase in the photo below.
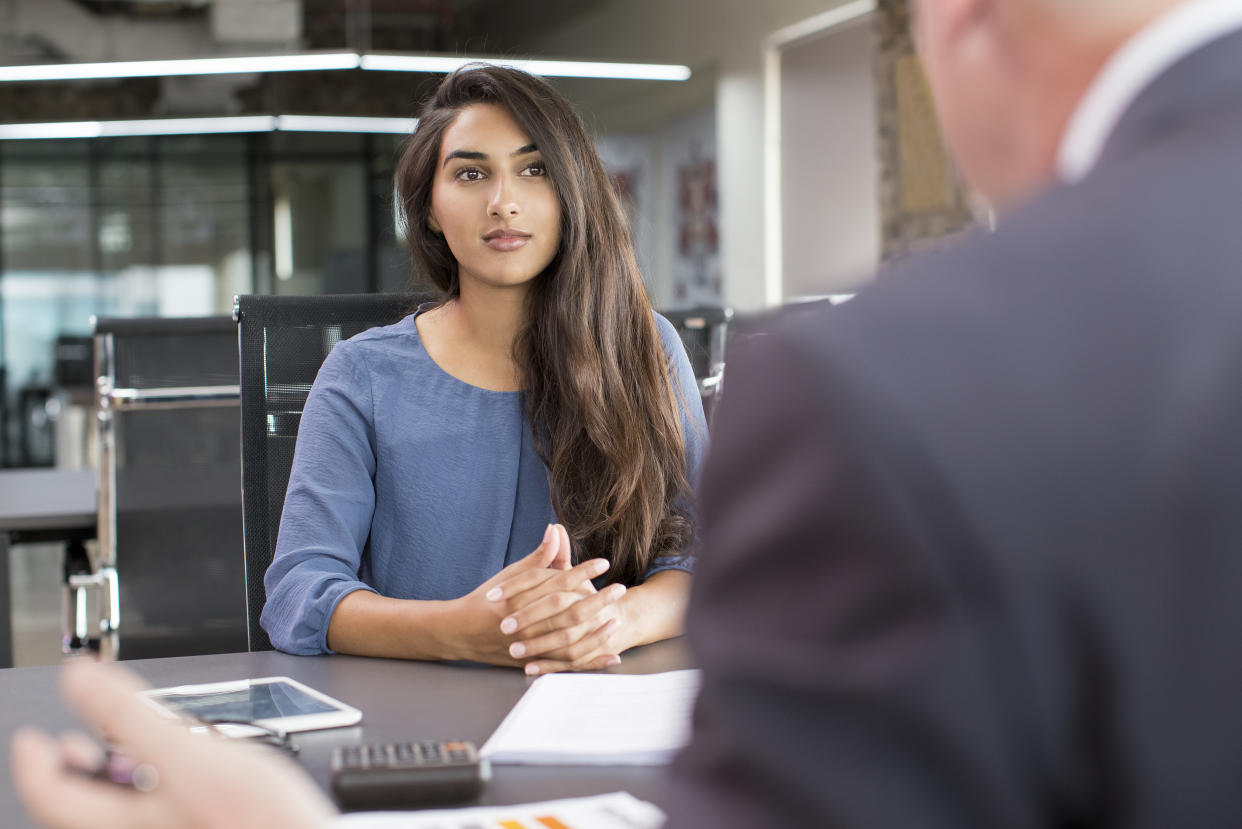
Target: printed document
(604, 719)
(619, 810)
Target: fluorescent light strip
(156, 126)
(187, 66)
(345, 123)
(547, 68)
(331, 61)
(204, 126)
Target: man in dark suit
(973, 551)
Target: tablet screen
(260, 701)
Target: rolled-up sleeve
(694, 431)
(328, 507)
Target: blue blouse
(441, 477)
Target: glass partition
(173, 226)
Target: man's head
(1007, 75)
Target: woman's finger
(552, 666)
(571, 642)
(536, 562)
(558, 611)
(530, 585)
(590, 654)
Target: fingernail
(508, 625)
(601, 564)
(616, 590)
(494, 594)
(547, 533)
(517, 650)
(614, 660)
(532, 669)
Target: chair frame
(252, 313)
(716, 318)
(109, 400)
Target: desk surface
(399, 700)
(47, 499)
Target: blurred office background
(799, 153)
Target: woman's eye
(469, 174)
(536, 169)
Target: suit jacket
(973, 551)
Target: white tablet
(273, 702)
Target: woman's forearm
(367, 624)
(655, 609)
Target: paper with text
(605, 719)
(619, 810)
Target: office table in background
(40, 505)
(399, 700)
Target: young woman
(464, 479)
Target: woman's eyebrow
(475, 155)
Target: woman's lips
(506, 240)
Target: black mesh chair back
(283, 340)
(170, 579)
(704, 332)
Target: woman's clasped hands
(547, 616)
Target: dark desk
(40, 505)
(33, 500)
(399, 701)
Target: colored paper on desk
(598, 719)
(619, 810)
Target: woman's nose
(503, 203)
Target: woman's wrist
(630, 631)
(653, 610)
(449, 631)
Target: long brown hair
(602, 409)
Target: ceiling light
(322, 61)
(345, 123)
(189, 66)
(153, 126)
(204, 126)
(547, 68)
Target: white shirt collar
(1132, 68)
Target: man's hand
(202, 781)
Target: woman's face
(493, 201)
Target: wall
(722, 41)
(830, 219)
(630, 160)
(667, 176)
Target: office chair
(167, 580)
(283, 340)
(704, 332)
(4, 417)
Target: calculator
(404, 775)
